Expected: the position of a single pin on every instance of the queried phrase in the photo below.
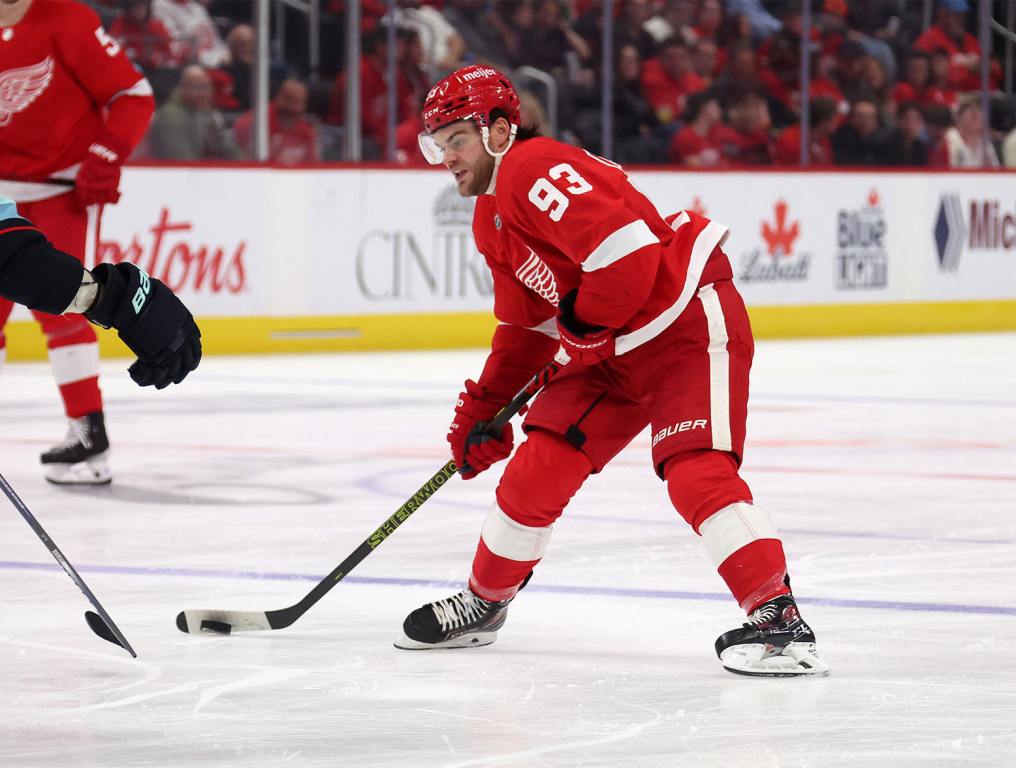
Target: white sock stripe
(74, 362)
(511, 540)
(719, 369)
(734, 527)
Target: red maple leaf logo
(697, 206)
(873, 199)
(780, 241)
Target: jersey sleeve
(579, 209)
(32, 271)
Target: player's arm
(524, 340)
(102, 69)
(148, 317)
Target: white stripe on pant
(719, 368)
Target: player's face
(465, 157)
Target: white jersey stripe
(141, 88)
(618, 244)
(547, 328)
(733, 527)
(514, 541)
(711, 236)
(719, 369)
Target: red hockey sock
(538, 482)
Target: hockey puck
(219, 627)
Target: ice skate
(82, 458)
(774, 642)
(460, 621)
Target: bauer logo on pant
(681, 426)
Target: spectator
(635, 124)
(239, 65)
(859, 141)
(292, 138)
(708, 20)
(550, 39)
(763, 24)
(698, 143)
(876, 82)
(187, 127)
(782, 77)
(963, 145)
(706, 60)
(848, 71)
(629, 27)
(741, 70)
(940, 90)
(511, 19)
(190, 24)
(480, 31)
(443, 46)
(1009, 149)
(746, 141)
(948, 34)
(674, 19)
(906, 144)
(669, 79)
(146, 40)
(823, 117)
(916, 77)
(937, 120)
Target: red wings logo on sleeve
(20, 87)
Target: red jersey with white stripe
(561, 218)
(58, 70)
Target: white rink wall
(352, 258)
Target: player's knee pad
(702, 482)
(541, 478)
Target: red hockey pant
(690, 384)
(72, 345)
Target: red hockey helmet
(470, 93)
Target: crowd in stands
(701, 83)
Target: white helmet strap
(485, 136)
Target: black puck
(219, 627)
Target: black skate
(82, 458)
(460, 621)
(774, 642)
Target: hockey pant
(690, 384)
(71, 341)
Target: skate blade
(473, 640)
(758, 660)
(93, 471)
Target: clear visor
(433, 153)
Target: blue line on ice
(559, 589)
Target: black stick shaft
(287, 616)
(54, 550)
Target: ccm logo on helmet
(682, 426)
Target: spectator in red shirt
(746, 140)
(708, 20)
(698, 144)
(949, 34)
(940, 90)
(916, 77)
(146, 40)
(669, 79)
(292, 138)
(824, 115)
(706, 60)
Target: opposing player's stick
(100, 622)
(224, 622)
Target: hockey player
(149, 318)
(72, 107)
(657, 334)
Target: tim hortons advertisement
(202, 234)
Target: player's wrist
(86, 296)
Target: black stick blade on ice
(108, 632)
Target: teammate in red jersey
(646, 308)
(72, 107)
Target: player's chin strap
(485, 135)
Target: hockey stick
(100, 622)
(50, 182)
(224, 622)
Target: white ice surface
(888, 464)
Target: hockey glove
(589, 344)
(471, 444)
(98, 179)
(151, 320)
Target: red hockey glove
(98, 179)
(589, 344)
(471, 445)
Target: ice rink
(889, 464)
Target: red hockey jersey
(561, 218)
(59, 69)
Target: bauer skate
(460, 621)
(82, 458)
(774, 642)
